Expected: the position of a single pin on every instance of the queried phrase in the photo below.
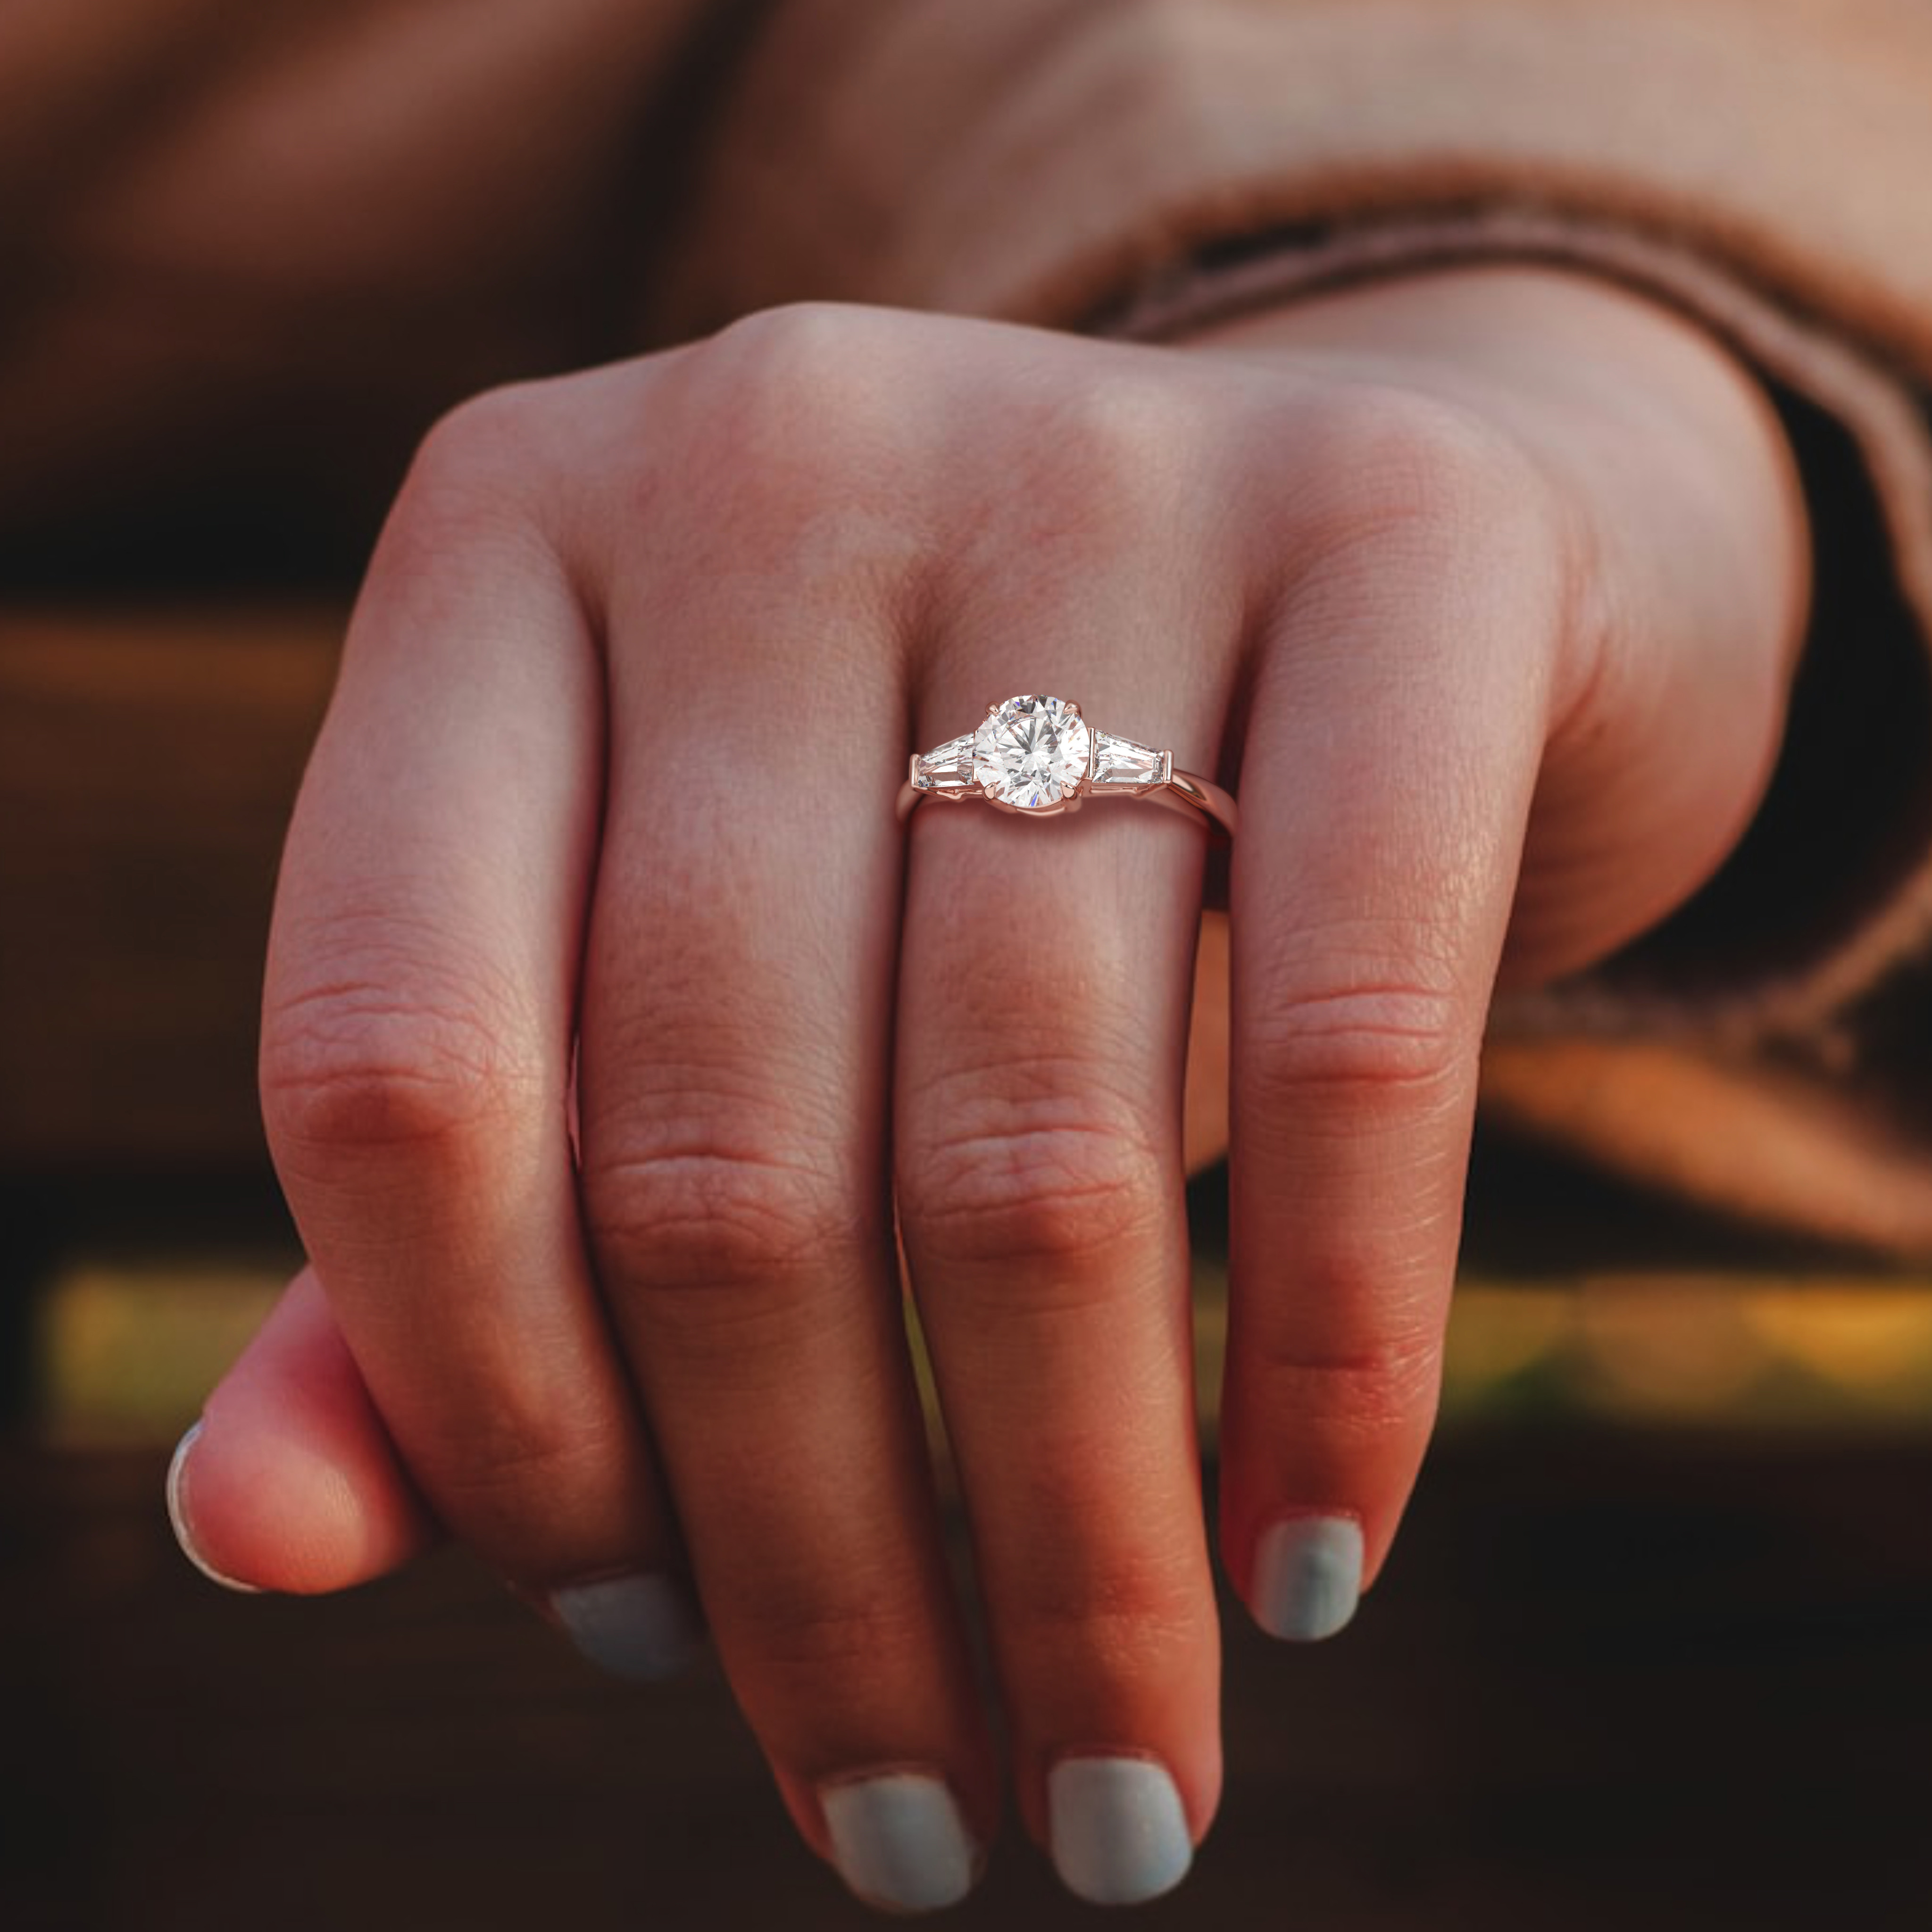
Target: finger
(289, 1482)
(416, 1047)
(1204, 1110)
(1043, 1005)
(1392, 747)
(735, 1023)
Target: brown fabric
(1034, 159)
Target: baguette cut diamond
(949, 768)
(1031, 753)
(1120, 761)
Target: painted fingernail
(1308, 1576)
(642, 1625)
(1118, 1832)
(177, 1518)
(898, 1840)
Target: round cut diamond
(1031, 752)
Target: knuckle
(802, 389)
(1398, 463)
(1104, 462)
(1125, 1627)
(700, 1205)
(1390, 1038)
(474, 464)
(1385, 1385)
(794, 424)
(1121, 435)
(377, 1061)
(810, 1641)
(795, 339)
(1021, 1182)
(475, 489)
(511, 480)
(501, 1476)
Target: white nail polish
(642, 1625)
(1118, 1830)
(177, 1519)
(899, 1841)
(1308, 1576)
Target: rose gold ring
(1039, 756)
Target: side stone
(947, 768)
(1119, 763)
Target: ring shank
(1194, 797)
(1184, 792)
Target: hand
(1482, 590)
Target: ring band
(1038, 756)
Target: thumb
(289, 1482)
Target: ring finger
(1043, 1005)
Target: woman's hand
(1482, 590)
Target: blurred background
(1655, 1647)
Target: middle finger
(736, 1018)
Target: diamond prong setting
(1037, 755)
(1033, 753)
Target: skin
(1482, 589)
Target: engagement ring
(1039, 756)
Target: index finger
(417, 1020)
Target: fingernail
(1308, 1576)
(642, 1625)
(898, 1840)
(177, 1518)
(1118, 1832)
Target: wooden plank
(147, 763)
